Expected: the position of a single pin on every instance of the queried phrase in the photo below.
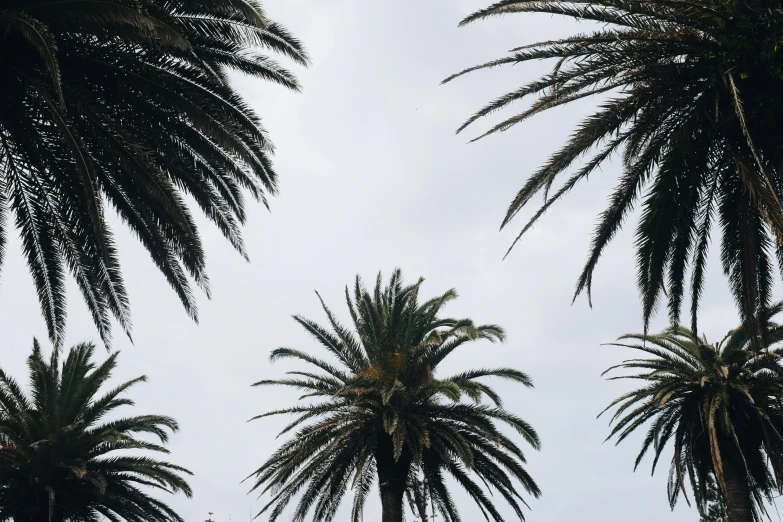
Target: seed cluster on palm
(690, 96)
(721, 408)
(127, 103)
(383, 415)
(66, 456)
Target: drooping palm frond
(128, 103)
(721, 408)
(62, 459)
(381, 414)
(690, 101)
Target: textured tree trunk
(738, 498)
(391, 504)
(392, 477)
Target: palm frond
(688, 99)
(72, 140)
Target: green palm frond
(384, 415)
(58, 462)
(718, 405)
(689, 101)
(129, 104)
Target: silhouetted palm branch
(128, 103)
(691, 102)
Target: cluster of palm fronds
(128, 102)
(721, 407)
(61, 459)
(384, 415)
(691, 102)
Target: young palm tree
(62, 460)
(689, 100)
(721, 407)
(129, 103)
(384, 415)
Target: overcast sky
(372, 178)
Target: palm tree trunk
(738, 496)
(391, 503)
(392, 478)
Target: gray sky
(372, 178)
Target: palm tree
(129, 103)
(689, 99)
(721, 407)
(383, 414)
(61, 459)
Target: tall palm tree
(383, 414)
(721, 407)
(62, 459)
(128, 103)
(690, 102)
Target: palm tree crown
(383, 414)
(61, 459)
(692, 105)
(721, 407)
(128, 102)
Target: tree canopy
(720, 406)
(689, 99)
(128, 103)
(382, 413)
(66, 456)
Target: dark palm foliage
(128, 102)
(720, 406)
(692, 104)
(384, 416)
(61, 459)
(715, 504)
